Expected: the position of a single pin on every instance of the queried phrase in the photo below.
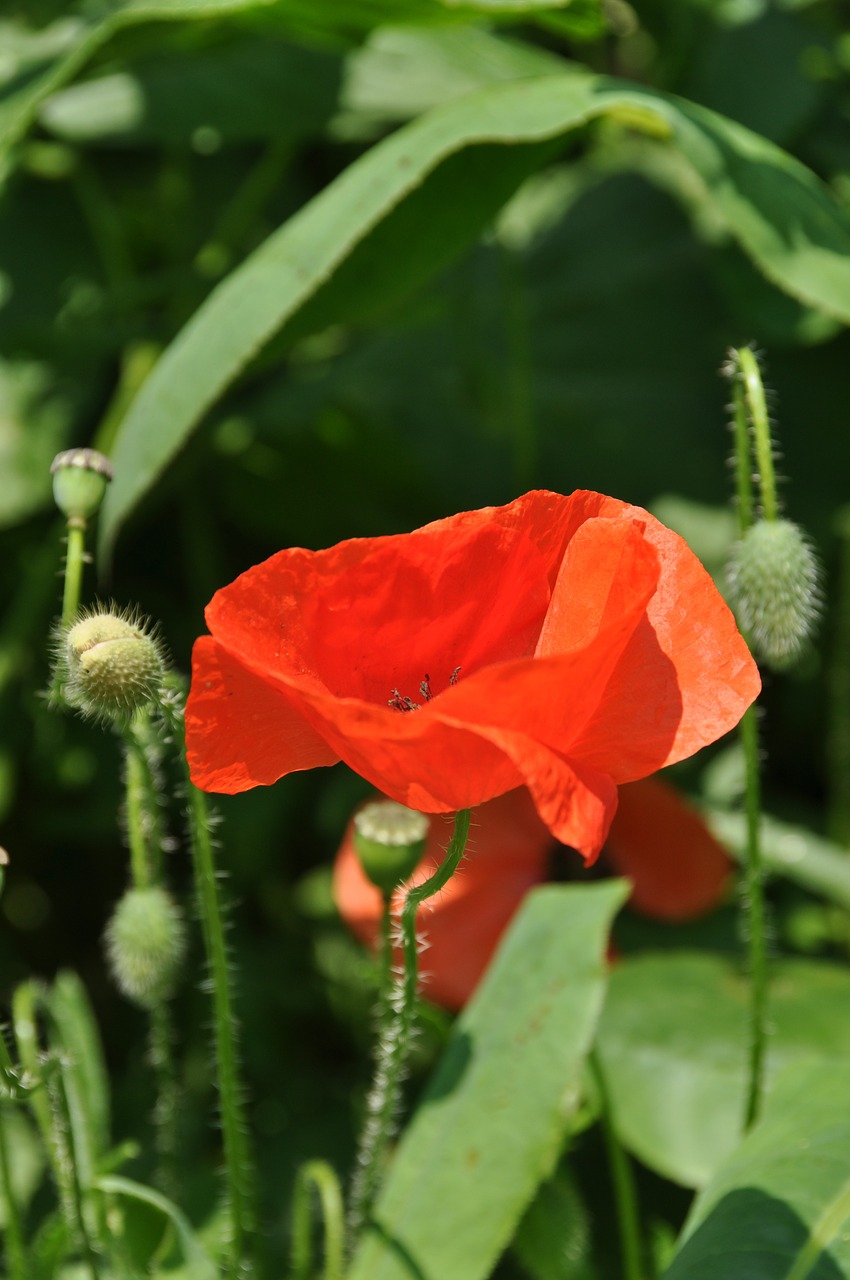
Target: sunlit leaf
(673, 1043)
(490, 1125)
(779, 1207)
(393, 217)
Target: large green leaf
(415, 200)
(779, 1207)
(673, 1044)
(493, 1117)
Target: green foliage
(779, 1205)
(671, 1038)
(308, 271)
(489, 1126)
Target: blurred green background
(575, 342)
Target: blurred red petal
(507, 855)
(659, 842)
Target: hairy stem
(145, 838)
(394, 1046)
(754, 397)
(750, 410)
(238, 1165)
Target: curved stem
(318, 1174)
(394, 1046)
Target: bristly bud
(390, 840)
(145, 945)
(111, 664)
(774, 582)
(80, 477)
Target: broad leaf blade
(672, 1041)
(493, 1118)
(383, 226)
(779, 1207)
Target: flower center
(400, 702)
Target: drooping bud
(112, 664)
(774, 579)
(390, 840)
(80, 477)
(145, 945)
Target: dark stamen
(400, 703)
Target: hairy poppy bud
(80, 477)
(390, 840)
(145, 945)
(113, 665)
(774, 583)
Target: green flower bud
(80, 477)
(774, 579)
(145, 945)
(390, 840)
(113, 665)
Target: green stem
(318, 1174)
(136, 812)
(838, 701)
(16, 1257)
(754, 885)
(239, 1173)
(743, 462)
(760, 422)
(145, 841)
(394, 1047)
(750, 405)
(75, 558)
(385, 963)
(623, 1182)
(167, 1110)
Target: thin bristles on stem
(394, 1044)
(239, 1170)
(750, 414)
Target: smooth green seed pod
(390, 840)
(114, 665)
(145, 945)
(774, 582)
(80, 477)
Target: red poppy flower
(678, 872)
(567, 644)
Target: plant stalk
(394, 1046)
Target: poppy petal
(250, 732)
(659, 842)
(687, 669)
